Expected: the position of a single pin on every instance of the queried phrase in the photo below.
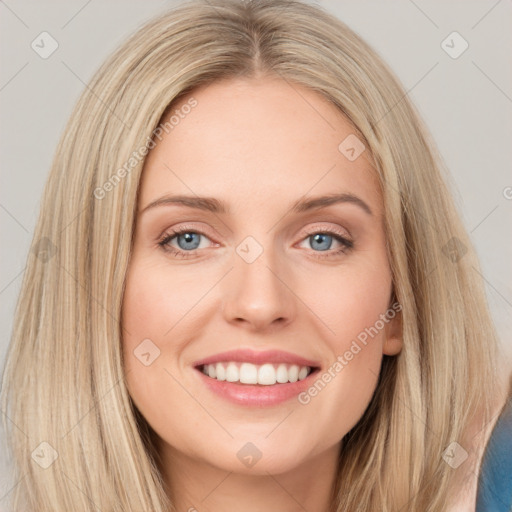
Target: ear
(393, 336)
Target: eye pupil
(188, 240)
(324, 241)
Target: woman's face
(263, 267)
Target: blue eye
(188, 240)
(323, 240)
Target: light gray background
(466, 103)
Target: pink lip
(251, 356)
(255, 394)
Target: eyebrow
(216, 206)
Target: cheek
(150, 311)
(342, 390)
(155, 303)
(160, 317)
(349, 300)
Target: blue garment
(495, 481)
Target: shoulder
(486, 473)
(495, 478)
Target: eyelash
(346, 244)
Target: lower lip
(256, 395)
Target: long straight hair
(63, 383)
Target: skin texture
(259, 145)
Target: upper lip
(260, 357)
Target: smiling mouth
(267, 374)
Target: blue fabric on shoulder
(495, 481)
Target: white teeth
(293, 373)
(248, 373)
(221, 372)
(232, 374)
(266, 374)
(282, 374)
(302, 374)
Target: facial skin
(258, 145)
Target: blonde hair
(63, 382)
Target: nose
(259, 295)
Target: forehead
(259, 140)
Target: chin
(260, 456)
